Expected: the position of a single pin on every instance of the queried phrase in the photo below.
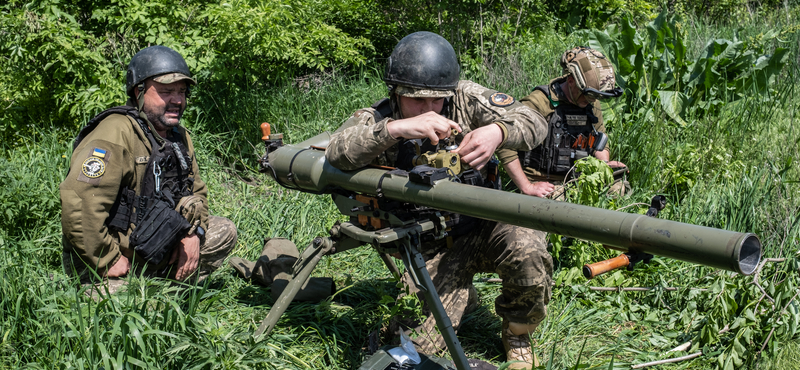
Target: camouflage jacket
(88, 194)
(361, 140)
(539, 102)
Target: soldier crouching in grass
(133, 201)
(426, 103)
(571, 105)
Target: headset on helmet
(592, 71)
(423, 63)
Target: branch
(633, 204)
(677, 359)
(605, 289)
(758, 271)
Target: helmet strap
(140, 97)
(394, 100)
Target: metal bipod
(415, 264)
(347, 236)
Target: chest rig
(571, 136)
(167, 174)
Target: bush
(728, 11)
(654, 65)
(66, 60)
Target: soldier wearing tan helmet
(133, 202)
(571, 105)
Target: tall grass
(736, 170)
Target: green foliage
(654, 65)
(729, 11)
(579, 14)
(734, 168)
(67, 60)
(595, 178)
(29, 178)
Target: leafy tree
(65, 60)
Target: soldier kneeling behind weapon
(571, 105)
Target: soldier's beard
(160, 118)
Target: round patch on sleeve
(501, 99)
(93, 167)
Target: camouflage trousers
(219, 242)
(519, 255)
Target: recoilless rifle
(395, 211)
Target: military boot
(518, 348)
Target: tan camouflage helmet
(415, 92)
(593, 72)
(174, 77)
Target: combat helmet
(157, 61)
(423, 64)
(592, 71)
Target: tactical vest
(166, 178)
(570, 130)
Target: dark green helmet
(156, 61)
(423, 60)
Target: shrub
(66, 60)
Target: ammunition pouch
(122, 210)
(158, 232)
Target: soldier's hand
(478, 146)
(187, 253)
(428, 125)
(538, 189)
(616, 164)
(120, 268)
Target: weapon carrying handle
(599, 268)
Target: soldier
(571, 105)
(427, 103)
(133, 200)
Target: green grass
(737, 170)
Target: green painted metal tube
(304, 168)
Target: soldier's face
(412, 107)
(164, 103)
(575, 96)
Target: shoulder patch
(499, 99)
(93, 167)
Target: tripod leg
(413, 260)
(390, 265)
(306, 264)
